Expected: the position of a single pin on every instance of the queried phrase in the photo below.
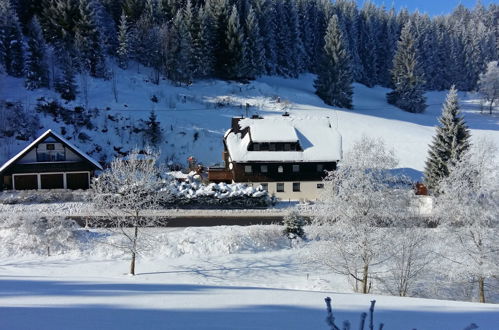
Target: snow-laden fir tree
(449, 144)
(235, 47)
(179, 56)
(37, 71)
(334, 79)
(88, 42)
(152, 131)
(408, 82)
(66, 84)
(11, 42)
(489, 84)
(204, 50)
(123, 51)
(254, 52)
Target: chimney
(235, 124)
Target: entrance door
(25, 182)
(77, 180)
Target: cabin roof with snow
(317, 139)
(47, 136)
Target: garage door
(77, 180)
(52, 181)
(25, 182)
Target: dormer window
(287, 147)
(280, 169)
(256, 147)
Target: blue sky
(432, 7)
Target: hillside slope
(194, 118)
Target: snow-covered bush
(194, 193)
(30, 234)
(293, 225)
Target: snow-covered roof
(271, 131)
(40, 139)
(318, 139)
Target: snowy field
(203, 278)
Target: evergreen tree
(255, 63)
(179, 58)
(37, 72)
(334, 79)
(153, 130)
(66, 85)
(123, 51)
(235, 47)
(11, 42)
(406, 74)
(88, 43)
(204, 50)
(368, 44)
(449, 144)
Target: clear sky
(432, 7)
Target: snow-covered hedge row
(43, 196)
(194, 193)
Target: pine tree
(123, 51)
(235, 47)
(153, 130)
(407, 77)
(88, 43)
(37, 72)
(255, 63)
(449, 144)
(334, 80)
(11, 43)
(66, 85)
(204, 50)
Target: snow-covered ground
(205, 278)
(194, 118)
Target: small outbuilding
(49, 162)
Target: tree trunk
(481, 288)
(134, 253)
(364, 279)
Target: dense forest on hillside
(49, 41)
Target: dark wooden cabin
(49, 162)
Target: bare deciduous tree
(469, 208)
(359, 199)
(489, 84)
(124, 192)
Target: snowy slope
(194, 118)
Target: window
(50, 146)
(320, 168)
(247, 169)
(264, 169)
(280, 169)
(280, 187)
(256, 147)
(272, 147)
(296, 168)
(320, 186)
(265, 186)
(287, 147)
(296, 186)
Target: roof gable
(49, 133)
